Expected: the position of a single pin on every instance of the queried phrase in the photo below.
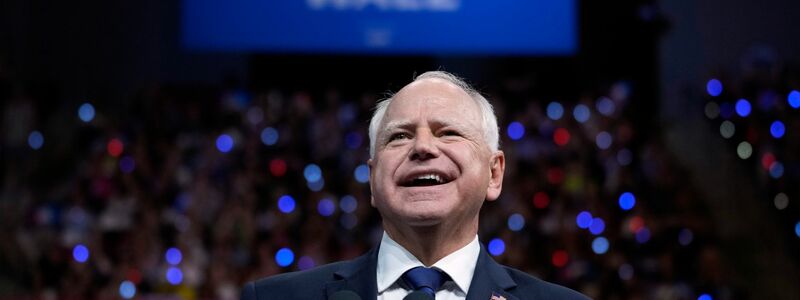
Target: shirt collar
(394, 260)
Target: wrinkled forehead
(438, 98)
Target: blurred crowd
(190, 191)
(757, 112)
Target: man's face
(432, 164)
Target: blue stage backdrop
(497, 27)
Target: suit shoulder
(322, 273)
(308, 284)
(535, 288)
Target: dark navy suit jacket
(358, 275)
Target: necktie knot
(428, 280)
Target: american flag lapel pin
(496, 296)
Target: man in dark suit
(434, 161)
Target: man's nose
(424, 147)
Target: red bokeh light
(636, 223)
(541, 200)
(561, 137)
(277, 167)
(560, 258)
(555, 175)
(134, 276)
(767, 159)
(115, 147)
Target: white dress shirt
(394, 260)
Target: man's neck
(429, 244)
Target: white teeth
(431, 176)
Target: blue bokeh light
(766, 100)
(348, 204)
(362, 173)
(182, 202)
(555, 111)
(714, 87)
(777, 129)
(600, 245)
(35, 140)
(603, 140)
(497, 247)
(581, 113)
(326, 207)
(127, 164)
(584, 219)
(305, 263)
(743, 107)
(516, 222)
(86, 112)
(726, 110)
(347, 113)
(705, 297)
(794, 99)
(605, 106)
(685, 237)
(353, 140)
(80, 253)
(239, 97)
(174, 275)
(643, 235)
(348, 221)
(797, 228)
(625, 272)
(624, 157)
(627, 201)
(597, 227)
(269, 136)
(312, 173)
(224, 143)
(284, 257)
(286, 204)
(127, 289)
(515, 130)
(776, 170)
(173, 256)
(316, 186)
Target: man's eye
(450, 133)
(398, 136)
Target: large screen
(492, 27)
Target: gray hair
(489, 120)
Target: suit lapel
(357, 276)
(490, 278)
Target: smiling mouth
(426, 180)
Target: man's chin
(423, 220)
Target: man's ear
(371, 165)
(497, 167)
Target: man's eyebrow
(396, 124)
(437, 122)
